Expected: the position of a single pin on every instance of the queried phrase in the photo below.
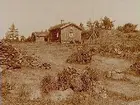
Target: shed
(40, 36)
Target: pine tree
(12, 34)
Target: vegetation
(12, 35)
(127, 28)
(31, 38)
(106, 23)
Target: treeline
(107, 24)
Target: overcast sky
(37, 15)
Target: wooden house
(65, 33)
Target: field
(116, 86)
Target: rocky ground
(22, 86)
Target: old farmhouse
(65, 33)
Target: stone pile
(29, 61)
(9, 56)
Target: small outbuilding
(40, 36)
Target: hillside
(114, 85)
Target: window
(57, 35)
(71, 34)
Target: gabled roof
(61, 26)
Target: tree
(90, 24)
(127, 28)
(12, 34)
(97, 24)
(120, 28)
(82, 26)
(106, 23)
(33, 37)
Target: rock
(135, 102)
(109, 74)
(115, 74)
(58, 95)
(36, 94)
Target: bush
(82, 56)
(135, 68)
(48, 84)
(65, 77)
(6, 88)
(71, 78)
(127, 28)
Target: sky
(36, 15)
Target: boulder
(58, 95)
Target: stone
(134, 102)
(36, 94)
(117, 76)
(58, 95)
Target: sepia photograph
(69, 52)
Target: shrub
(135, 68)
(127, 28)
(89, 78)
(6, 88)
(71, 78)
(82, 56)
(65, 77)
(48, 84)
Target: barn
(65, 33)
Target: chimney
(62, 21)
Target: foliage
(120, 28)
(106, 23)
(48, 84)
(71, 78)
(135, 68)
(31, 38)
(82, 56)
(12, 34)
(127, 28)
(6, 88)
(95, 27)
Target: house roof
(61, 26)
